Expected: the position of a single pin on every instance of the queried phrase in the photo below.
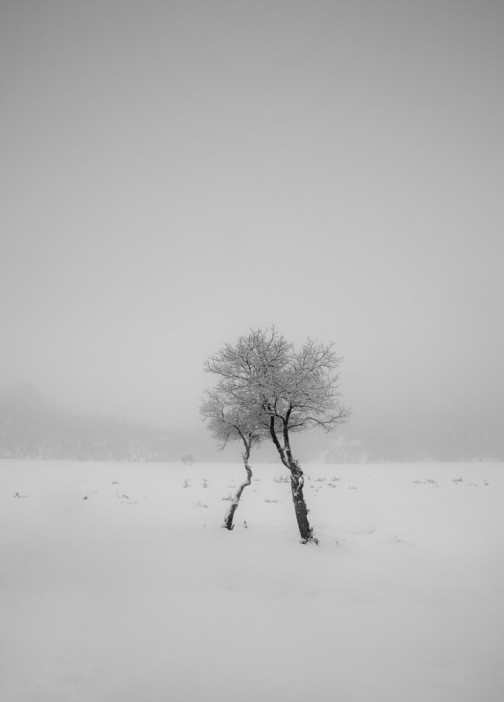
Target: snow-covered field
(136, 594)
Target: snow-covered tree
(230, 421)
(287, 390)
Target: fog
(174, 174)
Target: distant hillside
(32, 427)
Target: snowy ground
(136, 594)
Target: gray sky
(176, 173)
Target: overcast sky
(174, 174)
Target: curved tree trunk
(297, 483)
(228, 521)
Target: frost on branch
(229, 421)
(283, 390)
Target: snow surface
(136, 593)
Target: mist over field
(176, 174)
(247, 223)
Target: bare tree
(228, 422)
(288, 390)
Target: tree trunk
(228, 521)
(300, 508)
(296, 480)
